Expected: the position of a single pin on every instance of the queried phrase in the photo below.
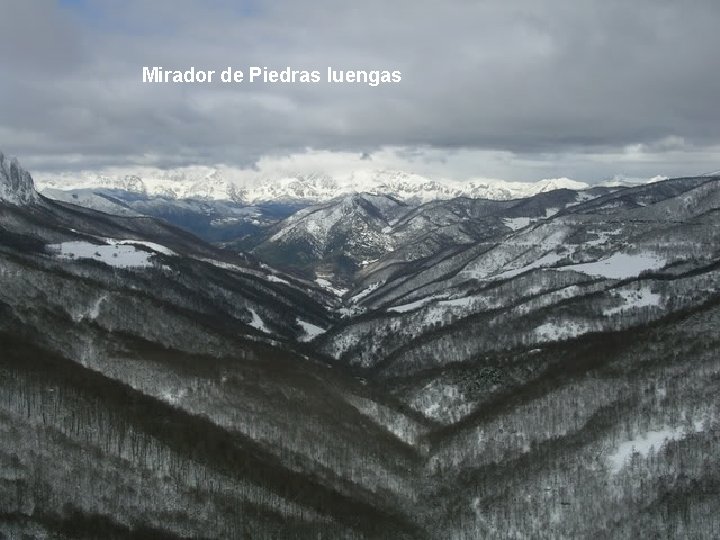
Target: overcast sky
(520, 90)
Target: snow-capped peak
(16, 184)
(623, 181)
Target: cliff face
(16, 184)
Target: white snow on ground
(603, 237)
(550, 212)
(526, 250)
(316, 222)
(277, 279)
(465, 301)
(257, 322)
(413, 305)
(642, 445)
(546, 260)
(632, 298)
(445, 309)
(437, 311)
(311, 330)
(90, 199)
(152, 245)
(362, 294)
(118, 255)
(94, 311)
(243, 270)
(90, 312)
(223, 265)
(582, 197)
(327, 285)
(550, 331)
(516, 223)
(620, 265)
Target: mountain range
(208, 183)
(361, 364)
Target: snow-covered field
(620, 265)
(121, 254)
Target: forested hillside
(365, 367)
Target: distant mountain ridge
(220, 184)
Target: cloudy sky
(519, 90)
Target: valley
(473, 364)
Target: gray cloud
(540, 80)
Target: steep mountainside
(16, 185)
(334, 239)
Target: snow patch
(465, 301)
(603, 237)
(546, 260)
(276, 279)
(92, 312)
(311, 330)
(632, 298)
(152, 245)
(550, 212)
(644, 443)
(413, 305)
(327, 285)
(365, 292)
(620, 265)
(551, 331)
(117, 254)
(257, 322)
(516, 223)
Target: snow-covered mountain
(555, 278)
(229, 184)
(344, 238)
(335, 238)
